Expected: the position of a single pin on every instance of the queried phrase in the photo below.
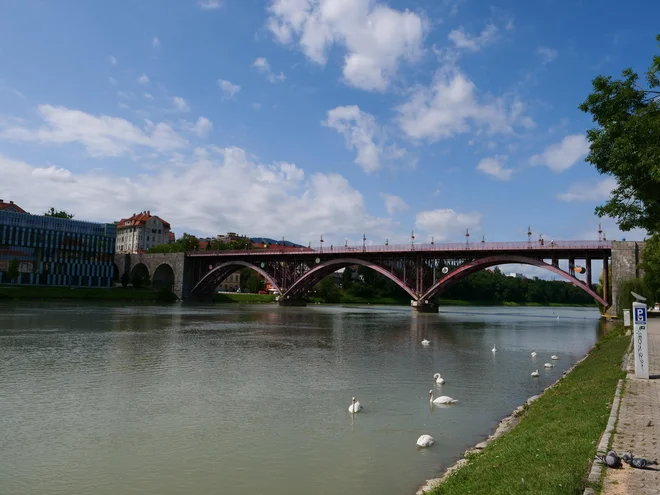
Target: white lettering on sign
(640, 315)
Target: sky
(310, 118)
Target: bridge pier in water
(424, 306)
(289, 301)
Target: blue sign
(640, 316)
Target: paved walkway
(638, 429)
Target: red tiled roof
(11, 206)
(139, 220)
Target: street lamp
(529, 234)
(321, 242)
(432, 240)
(364, 242)
(483, 239)
(412, 237)
(467, 236)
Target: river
(236, 399)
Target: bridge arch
(139, 270)
(482, 263)
(163, 277)
(319, 272)
(220, 272)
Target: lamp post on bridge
(467, 237)
(529, 234)
(412, 242)
(364, 242)
(483, 239)
(432, 240)
(321, 249)
(600, 232)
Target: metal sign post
(641, 341)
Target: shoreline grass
(549, 452)
(243, 298)
(36, 292)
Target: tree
(651, 265)
(626, 145)
(13, 271)
(328, 290)
(58, 213)
(189, 242)
(124, 279)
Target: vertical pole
(606, 280)
(588, 267)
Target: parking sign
(640, 315)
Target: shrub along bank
(550, 450)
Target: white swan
(533, 353)
(426, 342)
(443, 399)
(554, 356)
(549, 365)
(438, 379)
(494, 348)
(535, 373)
(425, 441)
(354, 407)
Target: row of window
(30, 237)
(57, 224)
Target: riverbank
(554, 439)
(35, 292)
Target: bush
(624, 298)
(166, 295)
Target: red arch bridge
(422, 270)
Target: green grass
(553, 445)
(239, 297)
(18, 292)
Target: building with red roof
(11, 206)
(141, 231)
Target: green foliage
(166, 295)
(137, 280)
(58, 213)
(624, 298)
(13, 270)
(626, 145)
(599, 287)
(124, 279)
(187, 242)
(651, 265)
(327, 290)
(254, 283)
(549, 452)
(494, 287)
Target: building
(516, 275)
(55, 251)
(231, 283)
(11, 206)
(140, 232)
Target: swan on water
(425, 441)
(494, 348)
(535, 373)
(354, 407)
(533, 353)
(426, 342)
(554, 356)
(438, 379)
(443, 399)
(549, 365)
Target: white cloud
(561, 156)
(282, 200)
(180, 104)
(201, 128)
(444, 224)
(112, 59)
(547, 54)
(494, 166)
(359, 129)
(112, 81)
(143, 79)
(101, 136)
(156, 42)
(210, 4)
(464, 41)
(449, 106)
(262, 65)
(394, 204)
(589, 191)
(148, 96)
(375, 37)
(228, 89)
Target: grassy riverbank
(241, 297)
(550, 450)
(34, 292)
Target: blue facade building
(57, 251)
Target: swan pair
(355, 406)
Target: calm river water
(236, 399)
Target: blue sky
(305, 118)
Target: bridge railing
(458, 246)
